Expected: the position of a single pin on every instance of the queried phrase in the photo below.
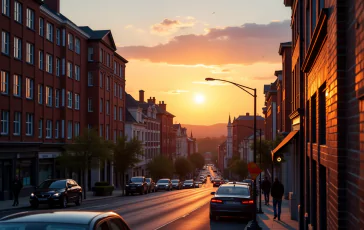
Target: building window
(314, 15)
(69, 96)
(4, 122)
(108, 107)
(90, 80)
(30, 18)
(90, 54)
(101, 80)
(5, 42)
(56, 130)
(49, 65)
(114, 136)
(69, 130)
(17, 123)
(40, 59)
(77, 101)
(313, 119)
(101, 130)
(101, 104)
(49, 94)
(107, 83)
(6, 7)
(120, 92)
(56, 98)
(115, 115)
(120, 113)
(40, 94)
(58, 37)
(17, 85)
(69, 69)
(78, 46)
(77, 129)
(41, 27)
(49, 129)
(89, 105)
(18, 12)
(57, 67)
(70, 41)
(29, 124)
(30, 53)
(115, 90)
(115, 67)
(17, 48)
(101, 55)
(29, 88)
(40, 128)
(49, 32)
(77, 73)
(120, 71)
(4, 87)
(107, 132)
(121, 133)
(108, 59)
(322, 115)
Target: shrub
(103, 188)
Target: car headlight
(139, 185)
(56, 195)
(32, 195)
(167, 185)
(127, 185)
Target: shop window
(322, 114)
(45, 169)
(313, 119)
(25, 170)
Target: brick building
(51, 90)
(270, 110)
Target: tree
(182, 167)
(240, 168)
(86, 152)
(126, 154)
(197, 160)
(160, 167)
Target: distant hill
(201, 131)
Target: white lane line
(182, 216)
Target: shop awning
(285, 141)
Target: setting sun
(199, 98)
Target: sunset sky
(172, 46)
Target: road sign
(254, 170)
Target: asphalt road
(179, 209)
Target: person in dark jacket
(277, 194)
(16, 187)
(266, 185)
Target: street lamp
(254, 223)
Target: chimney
(247, 114)
(141, 96)
(53, 5)
(163, 106)
(153, 100)
(150, 100)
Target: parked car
(71, 220)
(151, 184)
(56, 192)
(189, 184)
(197, 184)
(176, 184)
(232, 200)
(217, 182)
(137, 184)
(164, 184)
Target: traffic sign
(254, 170)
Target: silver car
(164, 184)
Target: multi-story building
(50, 90)
(270, 112)
(181, 141)
(221, 152)
(192, 145)
(229, 144)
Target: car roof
(164, 179)
(137, 177)
(235, 185)
(70, 217)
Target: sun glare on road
(199, 98)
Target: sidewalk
(24, 201)
(266, 221)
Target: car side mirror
(212, 193)
(69, 186)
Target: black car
(70, 220)
(137, 185)
(176, 184)
(151, 184)
(232, 200)
(56, 192)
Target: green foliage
(240, 168)
(182, 166)
(197, 160)
(208, 144)
(160, 167)
(103, 190)
(126, 153)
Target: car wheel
(79, 200)
(64, 202)
(34, 205)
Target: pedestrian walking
(277, 194)
(266, 186)
(16, 187)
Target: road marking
(182, 216)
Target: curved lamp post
(254, 223)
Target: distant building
(229, 144)
(192, 145)
(181, 141)
(221, 156)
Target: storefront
(47, 166)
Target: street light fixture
(254, 223)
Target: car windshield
(242, 191)
(42, 226)
(136, 179)
(175, 181)
(163, 181)
(189, 181)
(148, 180)
(53, 184)
(217, 180)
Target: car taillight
(247, 202)
(216, 201)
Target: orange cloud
(246, 44)
(169, 26)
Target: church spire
(229, 119)
(191, 134)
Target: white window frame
(90, 80)
(58, 62)
(77, 101)
(77, 73)
(49, 32)
(77, 46)
(69, 130)
(29, 124)
(89, 105)
(5, 42)
(58, 36)
(56, 130)
(4, 82)
(29, 88)
(69, 99)
(41, 60)
(30, 53)
(6, 7)
(4, 121)
(40, 128)
(49, 64)
(18, 12)
(40, 94)
(49, 96)
(69, 69)
(17, 85)
(70, 41)
(41, 27)
(56, 98)
(30, 18)
(48, 129)
(17, 48)
(17, 124)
